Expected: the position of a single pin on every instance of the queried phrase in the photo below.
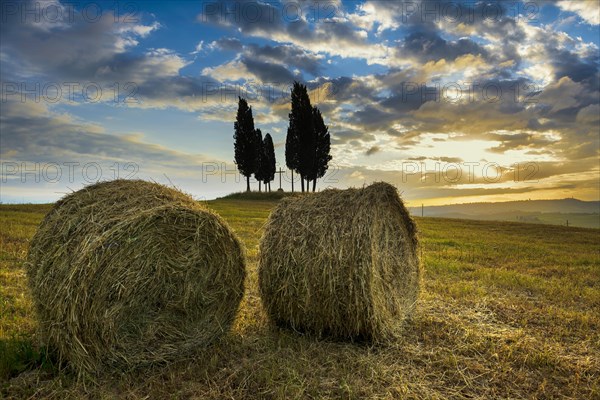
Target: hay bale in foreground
(341, 263)
(128, 273)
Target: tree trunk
(314, 184)
(292, 181)
(302, 182)
(269, 187)
(259, 188)
(247, 183)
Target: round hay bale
(341, 263)
(129, 273)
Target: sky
(450, 101)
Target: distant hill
(556, 212)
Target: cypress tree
(301, 140)
(261, 161)
(291, 151)
(269, 156)
(245, 142)
(323, 146)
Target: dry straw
(341, 263)
(129, 273)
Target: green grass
(507, 310)
(266, 196)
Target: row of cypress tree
(307, 144)
(253, 154)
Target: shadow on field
(18, 355)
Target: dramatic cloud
(332, 33)
(76, 48)
(420, 82)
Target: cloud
(521, 140)
(232, 44)
(333, 36)
(371, 14)
(33, 133)
(288, 55)
(429, 45)
(372, 150)
(103, 54)
(451, 159)
(72, 48)
(274, 65)
(587, 10)
(268, 72)
(547, 80)
(348, 135)
(249, 69)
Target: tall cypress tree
(261, 161)
(323, 146)
(291, 151)
(245, 143)
(307, 138)
(269, 157)
(266, 169)
(292, 140)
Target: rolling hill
(579, 213)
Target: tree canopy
(246, 142)
(308, 142)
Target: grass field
(507, 310)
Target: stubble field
(507, 310)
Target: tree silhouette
(291, 151)
(268, 155)
(292, 140)
(261, 162)
(301, 140)
(266, 168)
(245, 141)
(323, 147)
